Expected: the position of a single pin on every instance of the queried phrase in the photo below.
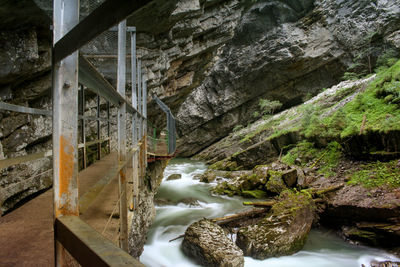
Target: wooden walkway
(26, 234)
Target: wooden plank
(88, 246)
(87, 199)
(101, 19)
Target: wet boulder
(208, 244)
(191, 202)
(174, 176)
(208, 177)
(162, 202)
(241, 185)
(385, 264)
(282, 232)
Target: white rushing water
(323, 249)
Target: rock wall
(141, 219)
(211, 61)
(24, 80)
(284, 50)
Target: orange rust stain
(122, 176)
(66, 170)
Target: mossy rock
(208, 177)
(226, 188)
(243, 183)
(364, 236)
(259, 194)
(275, 183)
(283, 231)
(224, 165)
(261, 171)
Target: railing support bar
(98, 128)
(65, 126)
(135, 179)
(83, 134)
(121, 80)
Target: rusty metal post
(108, 127)
(135, 180)
(139, 97)
(139, 120)
(121, 81)
(98, 129)
(144, 97)
(83, 133)
(65, 121)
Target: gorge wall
(224, 57)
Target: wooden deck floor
(26, 234)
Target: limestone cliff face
(283, 50)
(211, 61)
(24, 80)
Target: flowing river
(323, 249)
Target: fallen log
(329, 189)
(271, 203)
(260, 203)
(238, 216)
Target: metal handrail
(78, 238)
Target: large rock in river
(207, 243)
(282, 232)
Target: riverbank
(323, 247)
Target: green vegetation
(268, 106)
(377, 174)
(304, 150)
(375, 109)
(326, 159)
(224, 165)
(386, 60)
(256, 114)
(290, 201)
(237, 128)
(259, 194)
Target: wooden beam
(88, 246)
(101, 19)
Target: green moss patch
(254, 194)
(326, 158)
(375, 109)
(225, 165)
(377, 174)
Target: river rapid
(323, 248)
